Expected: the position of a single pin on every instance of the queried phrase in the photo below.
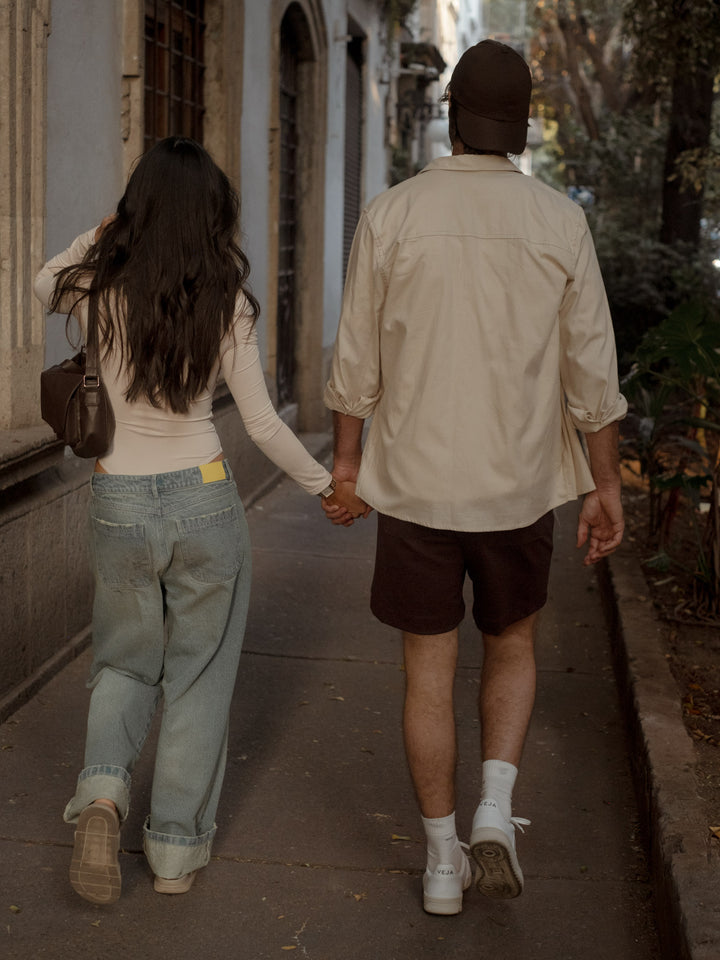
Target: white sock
(442, 842)
(498, 780)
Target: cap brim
(481, 133)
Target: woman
(164, 279)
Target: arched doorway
(297, 163)
(352, 187)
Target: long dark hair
(162, 280)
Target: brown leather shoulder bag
(74, 401)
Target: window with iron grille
(287, 227)
(174, 69)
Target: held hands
(601, 524)
(344, 506)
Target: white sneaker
(443, 887)
(492, 844)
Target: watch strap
(329, 490)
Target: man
(475, 331)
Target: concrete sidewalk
(319, 848)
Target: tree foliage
(627, 87)
(674, 428)
(580, 61)
(677, 59)
(669, 33)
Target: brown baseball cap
(491, 86)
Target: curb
(684, 864)
(19, 695)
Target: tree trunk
(578, 85)
(690, 127)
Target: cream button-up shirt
(476, 333)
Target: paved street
(319, 851)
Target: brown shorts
(420, 572)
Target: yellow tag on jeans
(212, 471)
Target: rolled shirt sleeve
(355, 384)
(588, 361)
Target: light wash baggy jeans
(172, 583)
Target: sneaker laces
(520, 822)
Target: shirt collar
(473, 162)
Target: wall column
(24, 29)
(133, 72)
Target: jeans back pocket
(213, 545)
(121, 553)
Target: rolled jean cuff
(100, 781)
(171, 856)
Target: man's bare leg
(429, 725)
(429, 720)
(507, 695)
(507, 690)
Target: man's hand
(601, 524)
(601, 518)
(344, 506)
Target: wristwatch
(328, 491)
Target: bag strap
(92, 363)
